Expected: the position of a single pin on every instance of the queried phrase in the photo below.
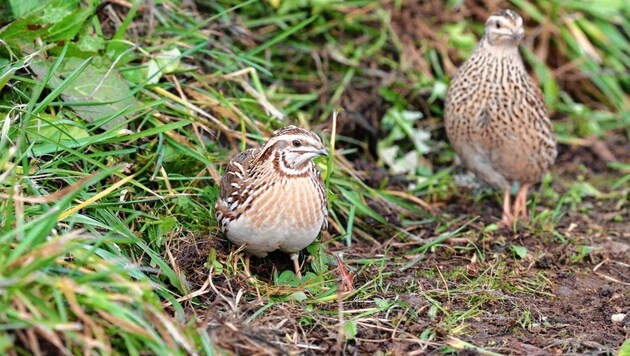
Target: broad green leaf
(22, 30)
(460, 38)
(382, 303)
(393, 149)
(350, 329)
(164, 63)
(97, 93)
(20, 8)
(519, 251)
(68, 28)
(298, 296)
(55, 129)
(285, 278)
(90, 42)
(49, 20)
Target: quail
(495, 115)
(273, 197)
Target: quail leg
(508, 216)
(296, 264)
(249, 276)
(520, 203)
(247, 272)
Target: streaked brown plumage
(273, 198)
(495, 115)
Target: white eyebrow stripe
(309, 139)
(498, 18)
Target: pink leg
(520, 203)
(508, 217)
(248, 274)
(296, 264)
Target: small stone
(535, 328)
(564, 291)
(617, 318)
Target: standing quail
(495, 115)
(273, 198)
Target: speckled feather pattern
(266, 206)
(496, 118)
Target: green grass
(117, 122)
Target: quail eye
(498, 24)
(296, 143)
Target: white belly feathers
(288, 218)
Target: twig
(260, 97)
(607, 276)
(201, 291)
(53, 197)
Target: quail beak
(322, 152)
(517, 35)
(311, 153)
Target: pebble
(564, 291)
(617, 318)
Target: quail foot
(273, 197)
(495, 115)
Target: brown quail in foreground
(273, 198)
(495, 115)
